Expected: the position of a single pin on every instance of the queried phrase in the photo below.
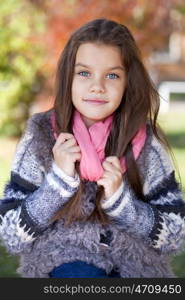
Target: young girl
(93, 190)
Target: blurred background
(32, 36)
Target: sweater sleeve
(160, 220)
(32, 196)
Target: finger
(68, 144)
(107, 174)
(114, 160)
(108, 166)
(101, 182)
(75, 156)
(63, 136)
(78, 156)
(75, 149)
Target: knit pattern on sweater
(140, 238)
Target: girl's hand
(66, 152)
(112, 177)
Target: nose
(97, 86)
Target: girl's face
(99, 75)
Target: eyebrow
(111, 68)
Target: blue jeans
(80, 269)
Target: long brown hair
(140, 104)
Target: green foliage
(20, 60)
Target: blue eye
(113, 76)
(84, 73)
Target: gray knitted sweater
(138, 242)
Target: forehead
(94, 53)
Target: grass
(174, 127)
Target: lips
(100, 101)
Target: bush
(20, 61)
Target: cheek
(117, 93)
(73, 87)
(75, 91)
(121, 90)
(77, 88)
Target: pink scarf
(92, 143)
